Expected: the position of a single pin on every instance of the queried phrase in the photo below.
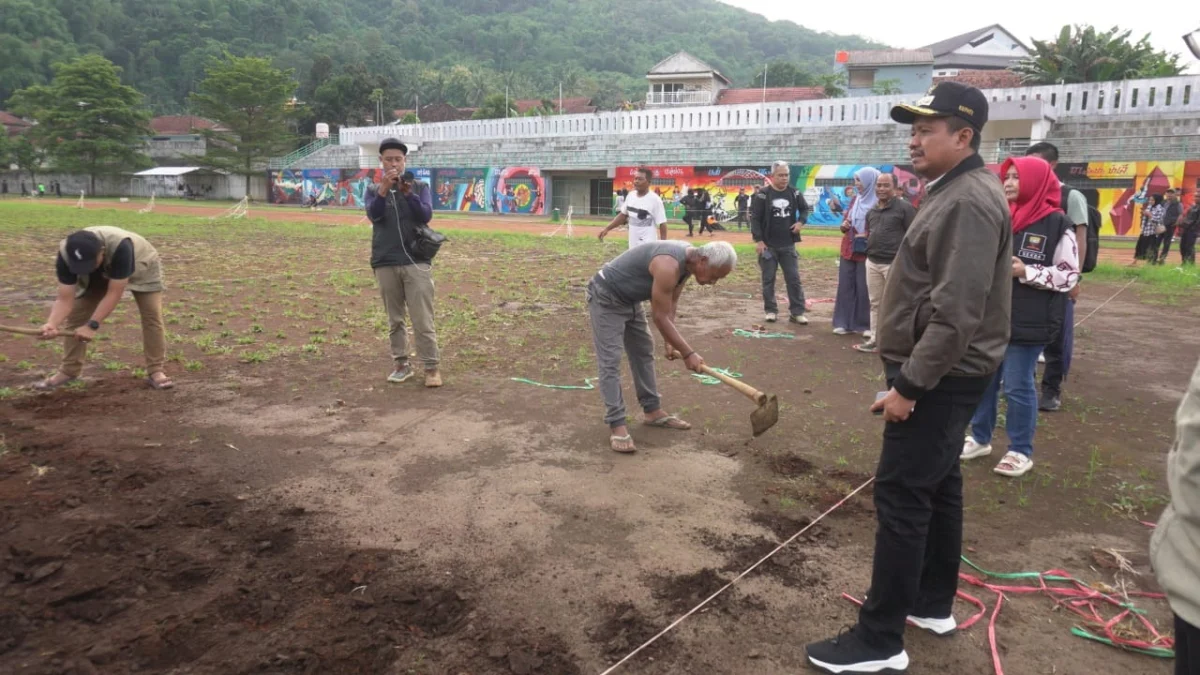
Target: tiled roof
(774, 95)
(950, 44)
(984, 79)
(12, 123)
(573, 105)
(683, 63)
(889, 57)
(180, 125)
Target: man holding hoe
(656, 271)
(95, 266)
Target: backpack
(1093, 233)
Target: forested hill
(599, 48)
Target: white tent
(181, 181)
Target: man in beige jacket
(1175, 547)
(95, 266)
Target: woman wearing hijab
(852, 308)
(1152, 219)
(1045, 267)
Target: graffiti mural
(286, 186)
(515, 189)
(672, 183)
(321, 187)
(1120, 190)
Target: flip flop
(160, 386)
(669, 422)
(627, 438)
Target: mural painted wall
(520, 190)
(514, 189)
(1120, 190)
(1117, 189)
(828, 188)
(672, 183)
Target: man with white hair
(655, 271)
(777, 212)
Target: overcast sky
(899, 25)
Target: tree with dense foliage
(834, 84)
(784, 74)
(494, 107)
(592, 47)
(1084, 54)
(28, 157)
(87, 120)
(250, 100)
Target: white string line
(738, 578)
(1113, 297)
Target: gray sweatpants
(616, 328)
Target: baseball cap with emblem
(82, 249)
(946, 99)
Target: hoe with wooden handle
(765, 415)
(33, 331)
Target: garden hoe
(33, 331)
(765, 415)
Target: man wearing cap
(95, 266)
(943, 328)
(396, 207)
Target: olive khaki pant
(406, 286)
(154, 337)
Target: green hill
(456, 51)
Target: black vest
(387, 246)
(1037, 314)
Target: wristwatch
(93, 324)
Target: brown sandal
(160, 385)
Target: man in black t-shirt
(742, 201)
(777, 212)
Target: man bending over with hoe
(654, 271)
(95, 266)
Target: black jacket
(1037, 313)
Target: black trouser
(687, 220)
(1058, 354)
(704, 216)
(1141, 251)
(1187, 246)
(1187, 648)
(919, 508)
(741, 218)
(1162, 241)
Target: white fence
(679, 97)
(1129, 97)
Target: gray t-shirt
(626, 279)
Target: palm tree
(1083, 54)
(834, 84)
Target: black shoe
(1050, 403)
(848, 653)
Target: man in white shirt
(643, 211)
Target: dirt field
(284, 509)
(1118, 253)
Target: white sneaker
(840, 331)
(868, 336)
(800, 319)
(940, 627)
(770, 317)
(972, 449)
(1014, 465)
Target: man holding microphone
(396, 207)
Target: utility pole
(560, 110)
(506, 101)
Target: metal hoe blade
(765, 415)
